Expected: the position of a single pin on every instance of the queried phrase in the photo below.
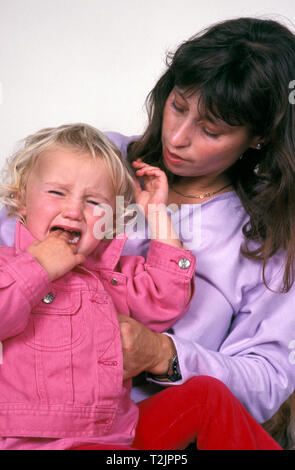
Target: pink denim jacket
(61, 371)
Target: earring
(259, 146)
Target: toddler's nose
(72, 210)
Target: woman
(221, 126)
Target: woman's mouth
(75, 235)
(171, 157)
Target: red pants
(202, 410)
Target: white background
(95, 61)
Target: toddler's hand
(155, 185)
(56, 255)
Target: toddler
(63, 283)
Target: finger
(80, 258)
(125, 375)
(149, 170)
(137, 188)
(126, 335)
(35, 243)
(122, 318)
(139, 163)
(74, 248)
(60, 234)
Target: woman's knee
(207, 388)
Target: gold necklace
(202, 196)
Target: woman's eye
(177, 107)
(210, 134)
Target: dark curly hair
(242, 69)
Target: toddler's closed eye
(55, 192)
(95, 203)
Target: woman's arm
(255, 359)
(143, 349)
(254, 355)
(159, 287)
(152, 200)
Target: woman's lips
(171, 157)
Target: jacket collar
(105, 256)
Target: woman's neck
(199, 189)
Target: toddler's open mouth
(75, 235)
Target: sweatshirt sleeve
(7, 228)
(159, 289)
(23, 283)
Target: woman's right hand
(143, 349)
(55, 254)
(155, 191)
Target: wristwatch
(173, 373)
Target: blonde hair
(82, 137)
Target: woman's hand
(152, 201)
(143, 349)
(155, 185)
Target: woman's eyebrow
(217, 123)
(222, 125)
(180, 93)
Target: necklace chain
(201, 196)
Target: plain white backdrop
(95, 61)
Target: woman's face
(193, 146)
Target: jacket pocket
(56, 323)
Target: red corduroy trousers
(203, 410)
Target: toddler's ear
(21, 204)
(22, 211)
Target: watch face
(176, 375)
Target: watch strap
(173, 373)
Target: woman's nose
(181, 134)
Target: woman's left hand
(143, 349)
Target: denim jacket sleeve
(23, 283)
(159, 289)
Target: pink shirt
(61, 373)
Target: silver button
(48, 298)
(184, 263)
(114, 282)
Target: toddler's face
(62, 191)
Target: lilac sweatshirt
(236, 329)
